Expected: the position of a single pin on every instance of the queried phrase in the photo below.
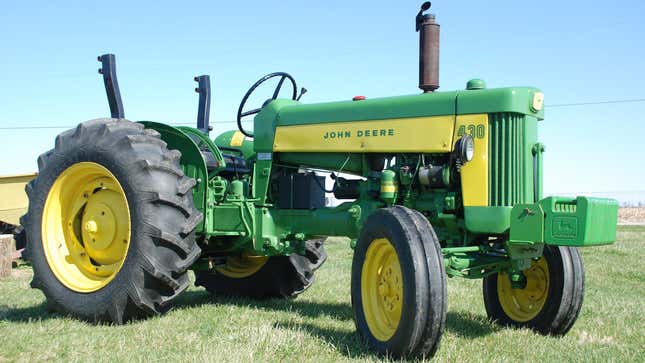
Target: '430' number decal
(475, 131)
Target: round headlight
(466, 148)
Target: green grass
(318, 325)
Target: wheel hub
(389, 287)
(525, 304)
(101, 235)
(86, 227)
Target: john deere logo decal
(348, 134)
(565, 227)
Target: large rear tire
(111, 223)
(551, 300)
(399, 284)
(260, 277)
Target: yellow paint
(522, 305)
(242, 266)
(382, 289)
(237, 139)
(417, 134)
(13, 199)
(388, 188)
(86, 227)
(474, 174)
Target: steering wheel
(240, 110)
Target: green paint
(241, 211)
(388, 188)
(420, 105)
(580, 221)
(223, 141)
(487, 220)
(510, 159)
(498, 100)
(475, 84)
(527, 224)
(473, 262)
(204, 143)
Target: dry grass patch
(631, 215)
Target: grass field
(318, 325)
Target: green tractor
(435, 185)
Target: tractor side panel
(417, 134)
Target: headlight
(465, 148)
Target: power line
(627, 191)
(633, 100)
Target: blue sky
(575, 51)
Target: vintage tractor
(444, 185)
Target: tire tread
(158, 274)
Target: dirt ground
(631, 215)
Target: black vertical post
(204, 108)
(108, 70)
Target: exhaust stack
(428, 50)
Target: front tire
(551, 299)
(111, 223)
(399, 284)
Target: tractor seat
(234, 164)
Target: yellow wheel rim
(382, 289)
(239, 267)
(522, 305)
(86, 227)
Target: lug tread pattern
(158, 258)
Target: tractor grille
(507, 161)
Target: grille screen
(507, 162)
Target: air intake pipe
(428, 50)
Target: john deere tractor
(434, 185)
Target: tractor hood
(287, 114)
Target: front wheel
(551, 299)
(399, 284)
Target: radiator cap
(475, 84)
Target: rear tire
(562, 286)
(399, 284)
(270, 277)
(157, 199)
